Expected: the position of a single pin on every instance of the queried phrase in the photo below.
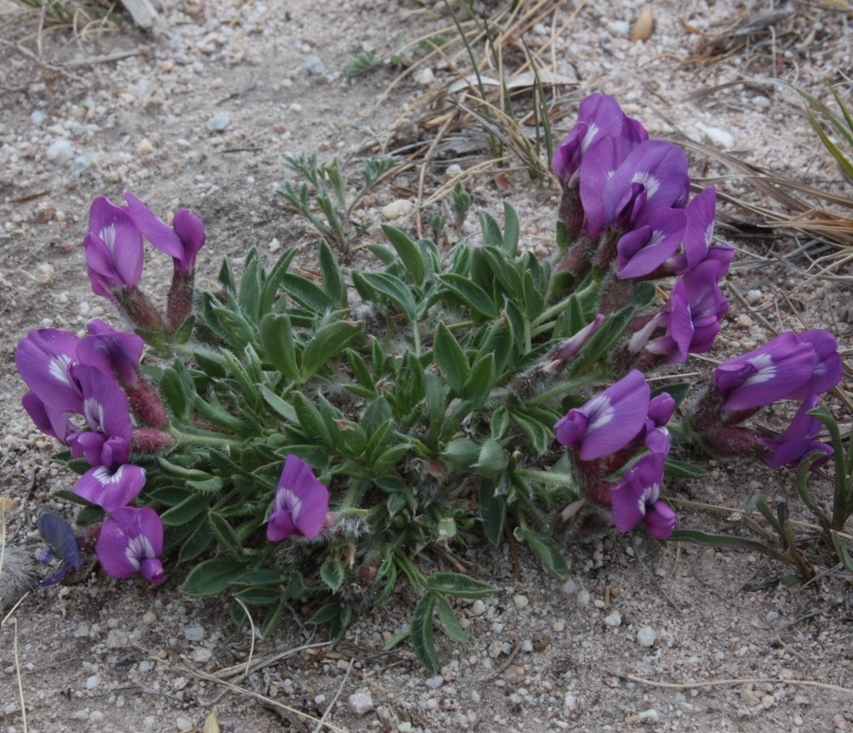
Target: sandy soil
(134, 112)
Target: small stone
(92, 682)
(571, 703)
(396, 209)
(425, 76)
(202, 655)
(319, 699)
(583, 598)
(619, 27)
(496, 649)
(183, 724)
(716, 135)
(772, 616)
(453, 170)
(96, 716)
(761, 102)
(194, 633)
(60, 152)
(149, 617)
(515, 674)
(520, 602)
(274, 245)
(613, 620)
(647, 636)
(37, 118)
(753, 296)
(145, 147)
(569, 587)
(744, 321)
(218, 122)
(435, 682)
(360, 703)
(296, 107)
(45, 273)
(479, 608)
(117, 639)
(314, 66)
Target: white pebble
(194, 633)
(583, 598)
(716, 135)
(753, 296)
(274, 245)
(520, 602)
(145, 147)
(425, 76)
(479, 608)
(647, 636)
(183, 724)
(772, 616)
(613, 620)
(571, 703)
(760, 101)
(218, 122)
(360, 703)
(396, 209)
(60, 152)
(435, 682)
(92, 682)
(453, 170)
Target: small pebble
(360, 703)
(479, 608)
(647, 636)
(183, 724)
(314, 66)
(194, 633)
(571, 703)
(37, 118)
(145, 147)
(744, 321)
(96, 716)
(753, 296)
(716, 135)
(613, 620)
(520, 602)
(296, 107)
(396, 209)
(453, 170)
(435, 682)
(117, 639)
(274, 245)
(92, 682)
(583, 598)
(569, 587)
(772, 616)
(319, 699)
(425, 76)
(218, 122)
(761, 102)
(60, 152)
(149, 618)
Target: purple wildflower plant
(698, 234)
(111, 482)
(301, 502)
(131, 542)
(654, 239)
(637, 499)
(798, 440)
(609, 421)
(49, 420)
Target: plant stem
(548, 477)
(188, 439)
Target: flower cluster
(602, 437)
(626, 204)
(97, 377)
(797, 367)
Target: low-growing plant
(317, 442)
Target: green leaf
(250, 286)
(539, 436)
(491, 230)
(456, 584)
(272, 619)
(225, 535)
(677, 391)
(451, 359)
(196, 543)
(471, 294)
(332, 573)
(534, 298)
(261, 578)
(408, 253)
(212, 576)
(226, 276)
(361, 63)
(259, 596)
(511, 230)
(492, 512)
(215, 413)
(273, 281)
(333, 278)
(325, 614)
(211, 485)
(185, 330)
(721, 540)
(279, 405)
(188, 509)
(328, 342)
(276, 332)
(173, 394)
(394, 289)
(235, 328)
(450, 622)
(481, 380)
(682, 469)
(306, 293)
(551, 558)
(421, 633)
(311, 420)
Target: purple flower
(773, 372)
(636, 499)
(131, 541)
(654, 174)
(656, 236)
(48, 419)
(114, 252)
(797, 440)
(61, 544)
(113, 352)
(301, 502)
(660, 411)
(696, 245)
(828, 367)
(44, 359)
(599, 115)
(609, 421)
(571, 348)
(693, 315)
(111, 482)
(182, 242)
